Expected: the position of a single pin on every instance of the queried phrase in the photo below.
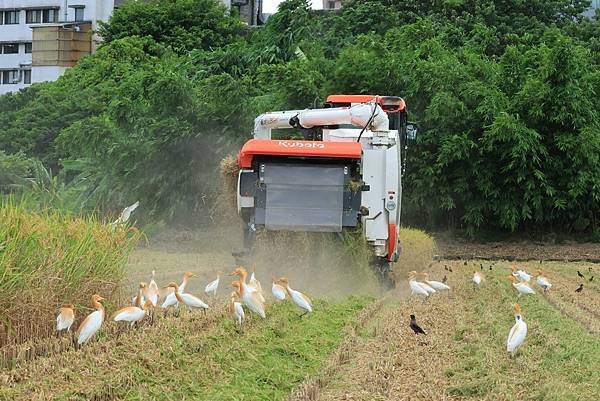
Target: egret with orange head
(301, 300)
(517, 334)
(188, 300)
(65, 318)
(92, 323)
(523, 288)
(250, 299)
(171, 299)
(542, 281)
(133, 314)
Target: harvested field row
(582, 306)
(195, 356)
(464, 354)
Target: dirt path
(320, 265)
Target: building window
(332, 5)
(10, 77)
(1, 17)
(79, 14)
(10, 48)
(33, 16)
(28, 48)
(41, 16)
(49, 16)
(26, 76)
(11, 17)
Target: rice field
(463, 356)
(191, 357)
(357, 345)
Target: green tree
(182, 24)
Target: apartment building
(250, 11)
(40, 39)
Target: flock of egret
(518, 332)
(247, 293)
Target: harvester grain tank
(340, 168)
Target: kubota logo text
(306, 145)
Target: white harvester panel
(374, 173)
(392, 184)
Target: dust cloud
(320, 264)
(330, 265)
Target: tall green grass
(50, 257)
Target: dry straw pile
(49, 258)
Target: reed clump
(50, 257)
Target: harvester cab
(343, 171)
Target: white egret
(92, 323)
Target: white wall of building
(594, 5)
(94, 11)
(47, 73)
(19, 61)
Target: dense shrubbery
(506, 95)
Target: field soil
(455, 248)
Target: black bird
(579, 274)
(490, 268)
(480, 266)
(450, 269)
(590, 269)
(445, 267)
(592, 278)
(414, 326)
(540, 261)
(580, 288)
(446, 278)
(465, 263)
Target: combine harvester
(340, 168)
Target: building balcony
(62, 44)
